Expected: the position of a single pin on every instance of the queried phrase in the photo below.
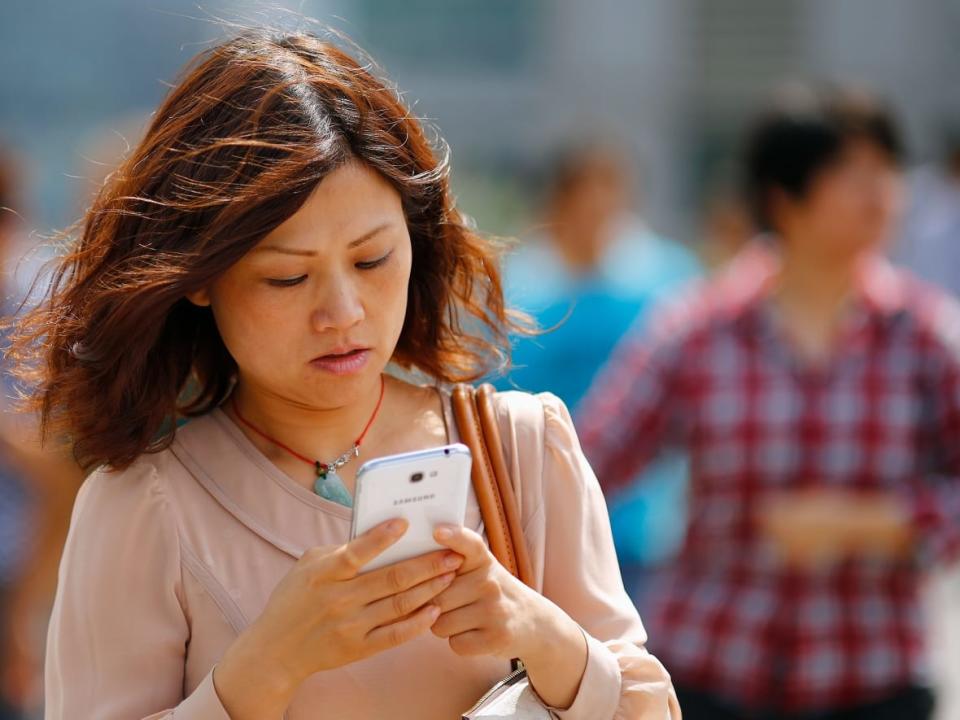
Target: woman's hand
(324, 614)
(487, 611)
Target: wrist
(250, 683)
(556, 658)
(552, 634)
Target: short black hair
(804, 130)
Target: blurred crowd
(773, 409)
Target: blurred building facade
(502, 79)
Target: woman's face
(314, 311)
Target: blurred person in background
(36, 491)
(817, 390)
(588, 276)
(15, 500)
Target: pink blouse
(168, 561)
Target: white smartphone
(425, 487)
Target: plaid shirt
(717, 378)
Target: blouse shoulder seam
(188, 559)
(158, 486)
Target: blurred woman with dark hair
(214, 344)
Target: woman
(283, 233)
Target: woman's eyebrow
(311, 253)
(367, 235)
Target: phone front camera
(416, 477)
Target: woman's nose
(338, 307)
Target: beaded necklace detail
(328, 484)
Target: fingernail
(396, 527)
(452, 561)
(434, 612)
(448, 578)
(444, 532)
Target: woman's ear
(199, 297)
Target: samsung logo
(414, 499)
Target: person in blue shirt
(587, 276)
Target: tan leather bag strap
(479, 431)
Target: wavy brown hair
(115, 353)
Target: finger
(458, 621)
(389, 636)
(464, 590)
(349, 559)
(472, 642)
(401, 576)
(396, 607)
(466, 542)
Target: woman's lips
(345, 364)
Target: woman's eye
(287, 282)
(371, 264)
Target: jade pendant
(329, 486)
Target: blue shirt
(591, 314)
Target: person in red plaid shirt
(816, 389)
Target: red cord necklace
(328, 484)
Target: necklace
(328, 484)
